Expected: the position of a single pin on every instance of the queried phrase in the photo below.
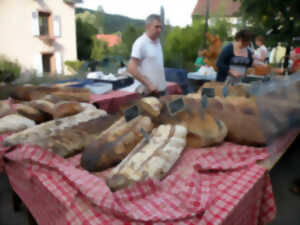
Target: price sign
(131, 113)
(175, 106)
(208, 92)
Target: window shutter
(39, 64)
(35, 24)
(57, 26)
(58, 63)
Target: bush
(74, 66)
(9, 70)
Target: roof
(222, 7)
(111, 39)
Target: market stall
(175, 160)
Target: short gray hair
(152, 17)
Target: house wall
(17, 41)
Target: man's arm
(133, 70)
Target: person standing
(199, 60)
(146, 64)
(235, 58)
(261, 52)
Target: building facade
(39, 34)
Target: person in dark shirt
(235, 58)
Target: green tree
(99, 49)
(84, 33)
(86, 17)
(281, 19)
(129, 36)
(181, 44)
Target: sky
(177, 12)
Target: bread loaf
(14, 123)
(28, 93)
(151, 158)
(114, 144)
(60, 136)
(151, 106)
(5, 109)
(64, 109)
(32, 113)
(203, 129)
(43, 106)
(241, 118)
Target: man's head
(153, 26)
(259, 40)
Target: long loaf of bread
(14, 123)
(64, 136)
(115, 143)
(151, 158)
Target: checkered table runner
(219, 185)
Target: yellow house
(39, 34)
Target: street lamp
(206, 21)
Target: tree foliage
(182, 44)
(84, 31)
(281, 19)
(99, 49)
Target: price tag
(175, 106)
(208, 92)
(131, 113)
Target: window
(48, 63)
(44, 21)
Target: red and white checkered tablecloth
(112, 101)
(219, 185)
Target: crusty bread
(14, 123)
(150, 105)
(64, 109)
(32, 113)
(203, 129)
(115, 143)
(5, 109)
(28, 93)
(43, 105)
(241, 118)
(63, 136)
(151, 158)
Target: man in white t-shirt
(146, 64)
(261, 53)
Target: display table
(112, 101)
(218, 185)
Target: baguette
(114, 144)
(150, 159)
(14, 123)
(63, 136)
